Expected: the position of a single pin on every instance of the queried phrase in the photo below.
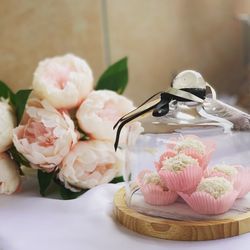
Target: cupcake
(224, 170)
(180, 172)
(194, 146)
(163, 157)
(154, 192)
(237, 174)
(213, 195)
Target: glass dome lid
(191, 158)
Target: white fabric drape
(31, 222)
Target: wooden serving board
(176, 229)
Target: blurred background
(160, 38)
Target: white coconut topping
(215, 186)
(151, 178)
(179, 162)
(190, 143)
(225, 169)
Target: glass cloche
(191, 158)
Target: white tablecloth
(30, 222)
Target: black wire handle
(160, 106)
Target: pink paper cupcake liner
(210, 173)
(182, 181)
(202, 159)
(242, 181)
(155, 195)
(164, 156)
(204, 203)
(194, 154)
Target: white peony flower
(45, 137)
(100, 111)
(9, 177)
(65, 81)
(90, 163)
(7, 123)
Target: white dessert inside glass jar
(215, 186)
(179, 162)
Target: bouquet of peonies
(64, 129)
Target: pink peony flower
(9, 177)
(7, 123)
(65, 81)
(45, 136)
(89, 164)
(100, 111)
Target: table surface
(31, 222)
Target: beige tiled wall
(31, 30)
(242, 6)
(160, 37)
(163, 37)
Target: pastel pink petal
(204, 203)
(155, 195)
(182, 181)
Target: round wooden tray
(178, 230)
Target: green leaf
(117, 179)
(115, 77)
(18, 100)
(83, 136)
(67, 194)
(18, 157)
(44, 180)
(6, 92)
(21, 98)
